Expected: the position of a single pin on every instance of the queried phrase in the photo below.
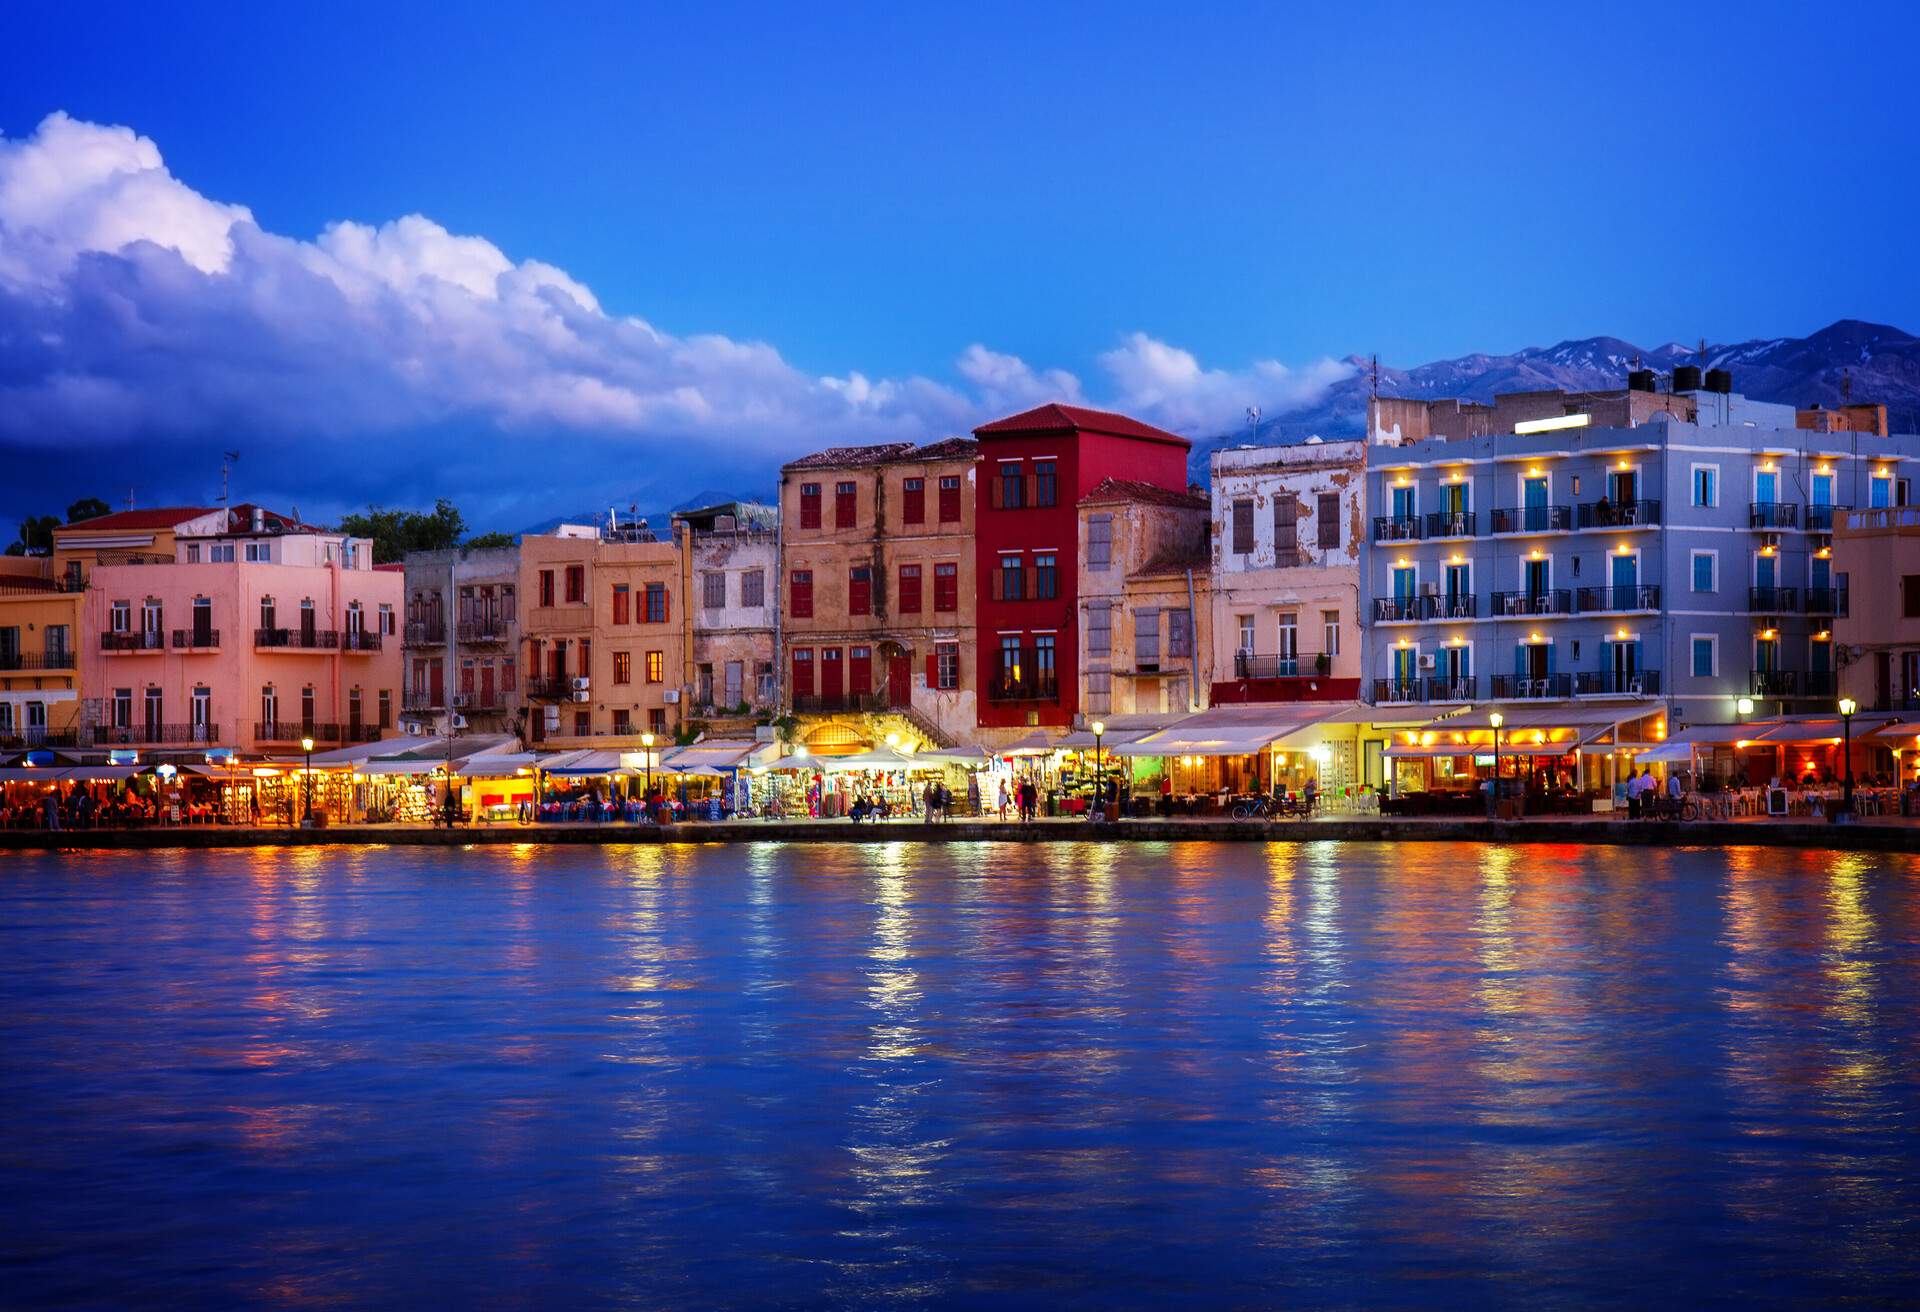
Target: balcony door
(202, 622)
(1623, 486)
(307, 631)
(1820, 491)
(1406, 664)
(1625, 578)
(1289, 648)
(1403, 589)
(1766, 487)
(1539, 578)
(202, 713)
(1456, 667)
(832, 676)
(899, 679)
(1623, 663)
(436, 682)
(154, 715)
(1766, 572)
(1533, 500)
(1459, 589)
(1533, 662)
(486, 683)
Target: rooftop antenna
(226, 467)
(129, 496)
(1846, 386)
(1374, 387)
(1703, 350)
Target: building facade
(461, 640)
(603, 650)
(730, 568)
(1034, 468)
(1145, 625)
(1288, 525)
(1877, 552)
(39, 658)
(877, 611)
(255, 632)
(1546, 555)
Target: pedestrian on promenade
(973, 793)
(930, 797)
(1004, 800)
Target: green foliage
(481, 541)
(87, 508)
(36, 534)
(396, 532)
(688, 732)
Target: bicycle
(1253, 808)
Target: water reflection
(1303, 1073)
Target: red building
(1033, 469)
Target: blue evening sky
(873, 188)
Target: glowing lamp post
(1099, 776)
(306, 781)
(1496, 720)
(646, 750)
(1847, 707)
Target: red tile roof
(1132, 489)
(162, 517)
(884, 453)
(1056, 418)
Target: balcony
(1541, 687)
(292, 731)
(196, 639)
(1388, 691)
(1426, 606)
(484, 702)
(1396, 610)
(1619, 514)
(1826, 601)
(550, 690)
(10, 584)
(424, 634)
(1820, 518)
(1773, 601)
(123, 641)
(813, 703)
(1617, 683)
(1773, 514)
(1247, 665)
(1621, 597)
(34, 660)
(1518, 605)
(484, 633)
(1442, 688)
(419, 699)
(15, 739)
(1818, 683)
(296, 639)
(140, 735)
(359, 640)
(1452, 524)
(1533, 519)
(1396, 528)
(360, 733)
(1023, 681)
(1774, 683)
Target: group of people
(1643, 792)
(75, 807)
(1024, 795)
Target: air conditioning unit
(413, 728)
(552, 715)
(459, 721)
(581, 684)
(581, 694)
(671, 696)
(1427, 661)
(463, 699)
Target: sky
(541, 258)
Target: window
(1330, 632)
(1245, 623)
(909, 603)
(860, 590)
(946, 586)
(1013, 486)
(950, 499)
(1706, 485)
(1910, 596)
(656, 603)
(386, 708)
(260, 551)
(913, 500)
(1045, 483)
(1329, 521)
(220, 552)
(800, 594)
(1286, 531)
(1099, 543)
(1705, 566)
(622, 608)
(1046, 576)
(1146, 639)
(622, 720)
(809, 505)
(1011, 579)
(1243, 527)
(860, 671)
(507, 681)
(623, 667)
(1099, 692)
(845, 505)
(1179, 634)
(1099, 628)
(385, 620)
(546, 587)
(803, 672)
(193, 553)
(576, 584)
(656, 720)
(1043, 666)
(583, 724)
(713, 589)
(1706, 656)
(753, 588)
(120, 617)
(946, 666)
(586, 658)
(656, 667)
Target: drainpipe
(1193, 642)
(779, 584)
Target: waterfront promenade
(1873, 835)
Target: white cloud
(135, 311)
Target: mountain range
(1870, 362)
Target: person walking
(1004, 800)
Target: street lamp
(1745, 707)
(1099, 791)
(1496, 720)
(646, 750)
(306, 781)
(1847, 707)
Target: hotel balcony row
(1625, 599)
(293, 731)
(805, 703)
(1793, 683)
(124, 642)
(1445, 524)
(149, 641)
(34, 661)
(473, 633)
(1508, 687)
(424, 699)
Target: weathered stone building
(1145, 623)
(730, 566)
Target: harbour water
(1309, 1074)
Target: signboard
(123, 756)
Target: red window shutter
(666, 605)
(933, 669)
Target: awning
(1899, 729)
(977, 756)
(1667, 753)
(1121, 729)
(1034, 744)
(880, 758)
(721, 754)
(399, 767)
(585, 763)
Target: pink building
(254, 632)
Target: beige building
(602, 623)
(730, 565)
(1876, 555)
(462, 640)
(877, 565)
(1287, 525)
(1145, 621)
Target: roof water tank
(1686, 378)
(1640, 380)
(1719, 380)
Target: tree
(36, 534)
(396, 532)
(481, 541)
(87, 508)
